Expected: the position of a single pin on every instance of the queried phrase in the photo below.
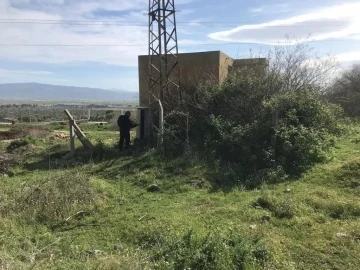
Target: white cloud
(39, 34)
(135, 37)
(349, 56)
(270, 9)
(341, 21)
(9, 72)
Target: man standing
(125, 124)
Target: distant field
(48, 112)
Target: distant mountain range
(47, 92)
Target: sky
(96, 43)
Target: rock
(95, 252)
(118, 247)
(265, 218)
(341, 235)
(252, 227)
(153, 188)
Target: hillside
(36, 91)
(96, 213)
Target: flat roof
(202, 52)
(236, 60)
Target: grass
(94, 212)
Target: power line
(143, 45)
(102, 45)
(120, 21)
(136, 24)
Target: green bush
(255, 130)
(290, 133)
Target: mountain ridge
(50, 92)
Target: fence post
(72, 136)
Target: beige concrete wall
(202, 66)
(198, 67)
(225, 62)
(194, 67)
(143, 65)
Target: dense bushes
(346, 91)
(254, 130)
(291, 132)
(260, 124)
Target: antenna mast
(164, 71)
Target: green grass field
(94, 211)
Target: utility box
(144, 128)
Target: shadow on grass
(112, 165)
(59, 157)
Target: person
(125, 124)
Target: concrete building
(197, 67)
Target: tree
(346, 91)
(299, 66)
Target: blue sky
(334, 26)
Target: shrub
(259, 126)
(292, 132)
(346, 91)
(15, 145)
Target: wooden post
(72, 136)
(75, 130)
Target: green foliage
(253, 129)
(109, 115)
(212, 251)
(16, 144)
(346, 91)
(241, 96)
(290, 133)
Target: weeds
(280, 208)
(53, 198)
(16, 144)
(335, 209)
(211, 251)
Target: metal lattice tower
(164, 71)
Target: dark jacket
(125, 124)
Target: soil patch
(17, 133)
(10, 135)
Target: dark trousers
(124, 136)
